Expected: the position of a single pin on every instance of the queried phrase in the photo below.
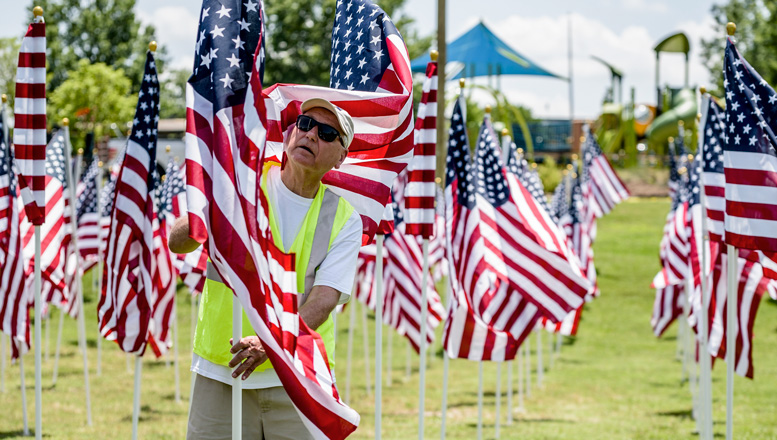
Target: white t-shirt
(336, 271)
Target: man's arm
(320, 303)
(179, 241)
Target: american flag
(580, 228)
(127, 299)
(559, 203)
(750, 156)
(54, 231)
(88, 217)
(403, 281)
(420, 192)
(523, 245)
(227, 126)
(667, 307)
(711, 139)
(751, 287)
(29, 137)
(106, 212)
(192, 266)
(364, 289)
(162, 273)
(372, 81)
(567, 326)
(14, 298)
(599, 179)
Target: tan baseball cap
(343, 118)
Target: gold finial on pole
(80, 151)
(488, 109)
(682, 170)
(152, 46)
(462, 82)
(582, 139)
(438, 179)
(731, 28)
(670, 139)
(167, 148)
(520, 151)
(100, 164)
(574, 157)
(505, 132)
(569, 167)
(65, 122)
(164, 177)
(681, 123)
(690, 157)
(5, 98)
(698, 117)
(433, 55)
(565, 173)
(37, 11)
(702, 90)
(534, 165)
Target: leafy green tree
(756, 37)
(9, 54)
(172, 98)
(300, 39)
(93, 97)
(100, 31)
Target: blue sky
(622, 32)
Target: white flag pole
(349, 364)
(520, 363)
(509, 365)
(422, 347)
(731, 336)
(79, 283)
(389, 351)
(97, 276)
(136, 397)
(705, 363)
(366, 343)
(445, 365)
(498, 398)
(378, 334)
(57, 350)
(480, 400)
(540, 367)
(527, 366)
(237, 385)
(25, 423)
(38, 305)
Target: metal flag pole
(540, 367)
(445, 366)
(520, 363)
(527, 367)
(351, 324)
(705, 386)
(731, 312)
(237, 385)
(509, 366)
(136, 397)
(97, 275)
(378, 333)
(25, 422)
(498, 398)
(57, 349)
(480, 400)
(422, 348)
(389, 351)
(79, 264)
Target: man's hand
(250, 352)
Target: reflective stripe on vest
(325, 219)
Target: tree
(172, 98)
(299, 42)
(756, 37)
(9, 54)
(100, 31)
(93, 97)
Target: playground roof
(481, 53)
(674, 43)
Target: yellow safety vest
(214, 320)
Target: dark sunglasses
(325, 132)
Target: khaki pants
(267, 413)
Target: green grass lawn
(614, 381)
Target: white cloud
(176, 29)
(645, 5)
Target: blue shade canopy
(481, 53)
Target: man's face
(307, 150)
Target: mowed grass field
(614, 381)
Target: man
(323, 231)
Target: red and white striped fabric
(579, 225)
(227, 129)
(769, 263)
(675, 249)
(29, 137)
(667, 307)
(711, 138)
(192, 266)
(88, 216)
(567, 326)
(14, 298)
(128, 291)
(437, 262)
(751, 287)
(163, 276)
(403, 280)
(55, 230)
(364, 288)
(599, 178)
(420, 191)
